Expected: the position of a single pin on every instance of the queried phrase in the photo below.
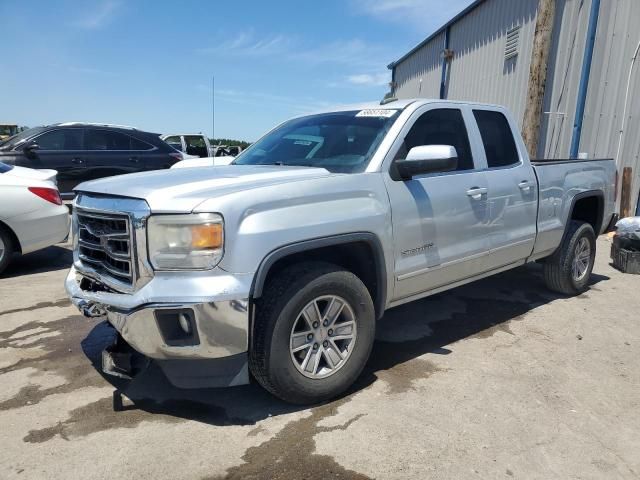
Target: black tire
(7, 248)
(558, 268)
(282, 301)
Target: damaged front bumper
(195, 326)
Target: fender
(369, 238)
(588, 194)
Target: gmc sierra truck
(279, 265)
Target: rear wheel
(7, 249)
(568, 270)
(314, 330)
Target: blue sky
(149, 63)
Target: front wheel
(568, 270)
(314, 330)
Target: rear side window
(443, 126)
(499, 145)
(60, 139)
(139, 144)
(106, 140)
(4, 167)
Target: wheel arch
(582, 208)
(12, 234)
(361, 247)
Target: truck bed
(561, 183)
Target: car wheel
(313, 333)
(6, 249)
(568, 270)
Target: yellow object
(206, 237)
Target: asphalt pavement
(497, 379)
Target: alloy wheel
(323, 336)
(581, 259)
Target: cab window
(174, 141)
(196, 145)
(497, 137)
(443, 126)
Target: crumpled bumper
(215, 305)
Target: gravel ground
(497, 379)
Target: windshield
(4, 167)
(13, 141)
(341, 142)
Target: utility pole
(538, 74)
(213, 107)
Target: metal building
(484, 54)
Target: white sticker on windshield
(381, 112)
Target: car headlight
(185, 242)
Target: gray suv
(86, 151)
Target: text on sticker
(376, 113)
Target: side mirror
(30, 149)
(427, 159)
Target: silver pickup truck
(281, 263)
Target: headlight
(185, 242)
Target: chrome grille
(105, 245)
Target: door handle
(525, 185)
(476, 192)
(77, 161)
(134, 159)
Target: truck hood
(183, 189)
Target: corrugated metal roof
(471, 7)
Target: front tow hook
(92, 310)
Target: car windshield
(5, 168)
(341, 142)
(16, 139)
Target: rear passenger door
(109, 153)
(440, 220)
(513, 190)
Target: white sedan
(32, 215)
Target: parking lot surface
(497, 379)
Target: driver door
(440, 220)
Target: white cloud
(247, 43)
(369, 80)
(99, 16)
(295, 104)
(423, 15)
(353, 52)
(92, 71)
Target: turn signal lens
(49, 194)
(205, 237)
